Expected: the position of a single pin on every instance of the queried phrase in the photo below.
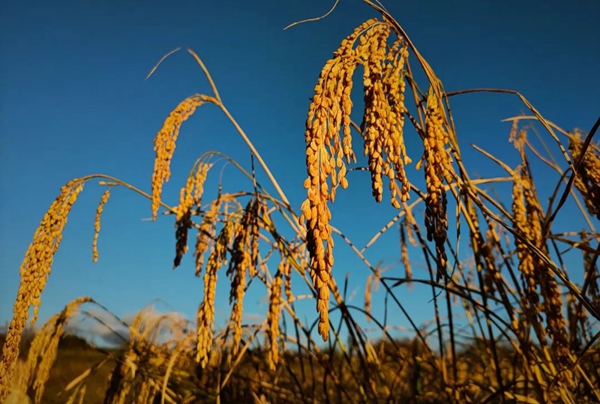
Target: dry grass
(530, 332)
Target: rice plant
(531, 331)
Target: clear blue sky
(74, 101)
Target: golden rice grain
(375, 118)
(368, 296)
(438, 166)
(587, 180)
(190, 197)
(273, 315)
(206, 311)
(34, 271)
(164, 146)
(383, 118)
(259, 209)
(123, 375)
(103, 201)
(527, 217)
(382, 127)
(527, 261)
(404, 253)
(492, 274)
(182, 227)
(329, 110)
(206, 234)
(139, 366)
(482, 250)
(286, 269)
(577, 315)
(241, 264)
(146, 391)
(42, 353)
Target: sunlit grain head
(164, 146)
(34, 271)
(99, 211)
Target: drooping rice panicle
(34, 271)
(99, 211)
(164, 146)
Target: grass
(531, 332)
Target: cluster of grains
(259, 210)
(275, 301)
(438, 167)
(592, 272)
(164, 146)
(99, 211)
(141, 366)
(329, 110)
(190, 197)
(382, 126)
(483, 251)
(286, 269)
(527, 219)
(146, 390)
(529, 230)
(383, 118)
(492, 276)
(34, 272)
(244, 260)
(206, 234)
(43, 349)
(578, 317)
(206, 311)
(587, 180)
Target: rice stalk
(206, 311)
(592, 272)
(324, 151)
(438, 168)
(241, 264)
(206, 234)
(273, 316)
(42, 353)
(382, 131)
(286, 269)
(587, 179)
(99, 211)
(146, 391)
(190, 198)
(164, 146)
(34, 271)
(541, 290)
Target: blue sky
(75, 102)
